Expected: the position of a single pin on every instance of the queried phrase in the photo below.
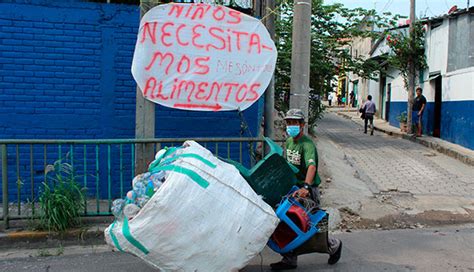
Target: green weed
(62, 199)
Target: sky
(425, 8)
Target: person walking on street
(330, 97)
(302, 153)
(369, 110)
(417, 111)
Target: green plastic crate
(272, 177)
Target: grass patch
(62, 199)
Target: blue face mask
(293, 131)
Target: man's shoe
(334, 258)
(282, 266)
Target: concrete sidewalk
(458, 152)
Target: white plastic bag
(205, 217)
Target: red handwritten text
(195, 91)
(199, 11)
(202, 37)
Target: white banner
(240, 3)
(202, 57)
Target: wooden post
(270, 92)
(145, 115)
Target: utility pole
(270, 92)
(300, 57)
(144, 115)
(411, 70)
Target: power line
(446, 2)
(428, 8)
(387, 5)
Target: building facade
(447, 83)
(360, 48)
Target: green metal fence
(104, 167)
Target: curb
(21, 239)
(447, 151)
(435, 146)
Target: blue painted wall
(65, 74)
(457, 120)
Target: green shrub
(62, 199)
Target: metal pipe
(121, 170)
(5, 185)
(109, 178)
(32, 181)
(97, 180)
(85, 178)
(18, 180)
(130, 141)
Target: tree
(333, 27)
(400, 43)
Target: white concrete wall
(436, 58)
(360, 48)
(373, 91)
(459, 85)
(382, 48)
(437, 48)
(398, 86)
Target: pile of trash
(144, 187)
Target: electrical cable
(428, 8)
(387, 5)
(447, 6)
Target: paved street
(437, 249)
(386, 163)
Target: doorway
(382, 86)
(387, 102)
(437, 107)
(355, 89)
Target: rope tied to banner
(146, 5)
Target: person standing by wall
(418, 109)
(351, 99)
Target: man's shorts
(416, 119)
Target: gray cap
(294, 114)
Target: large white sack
(186, 227)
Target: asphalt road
(437, 249)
